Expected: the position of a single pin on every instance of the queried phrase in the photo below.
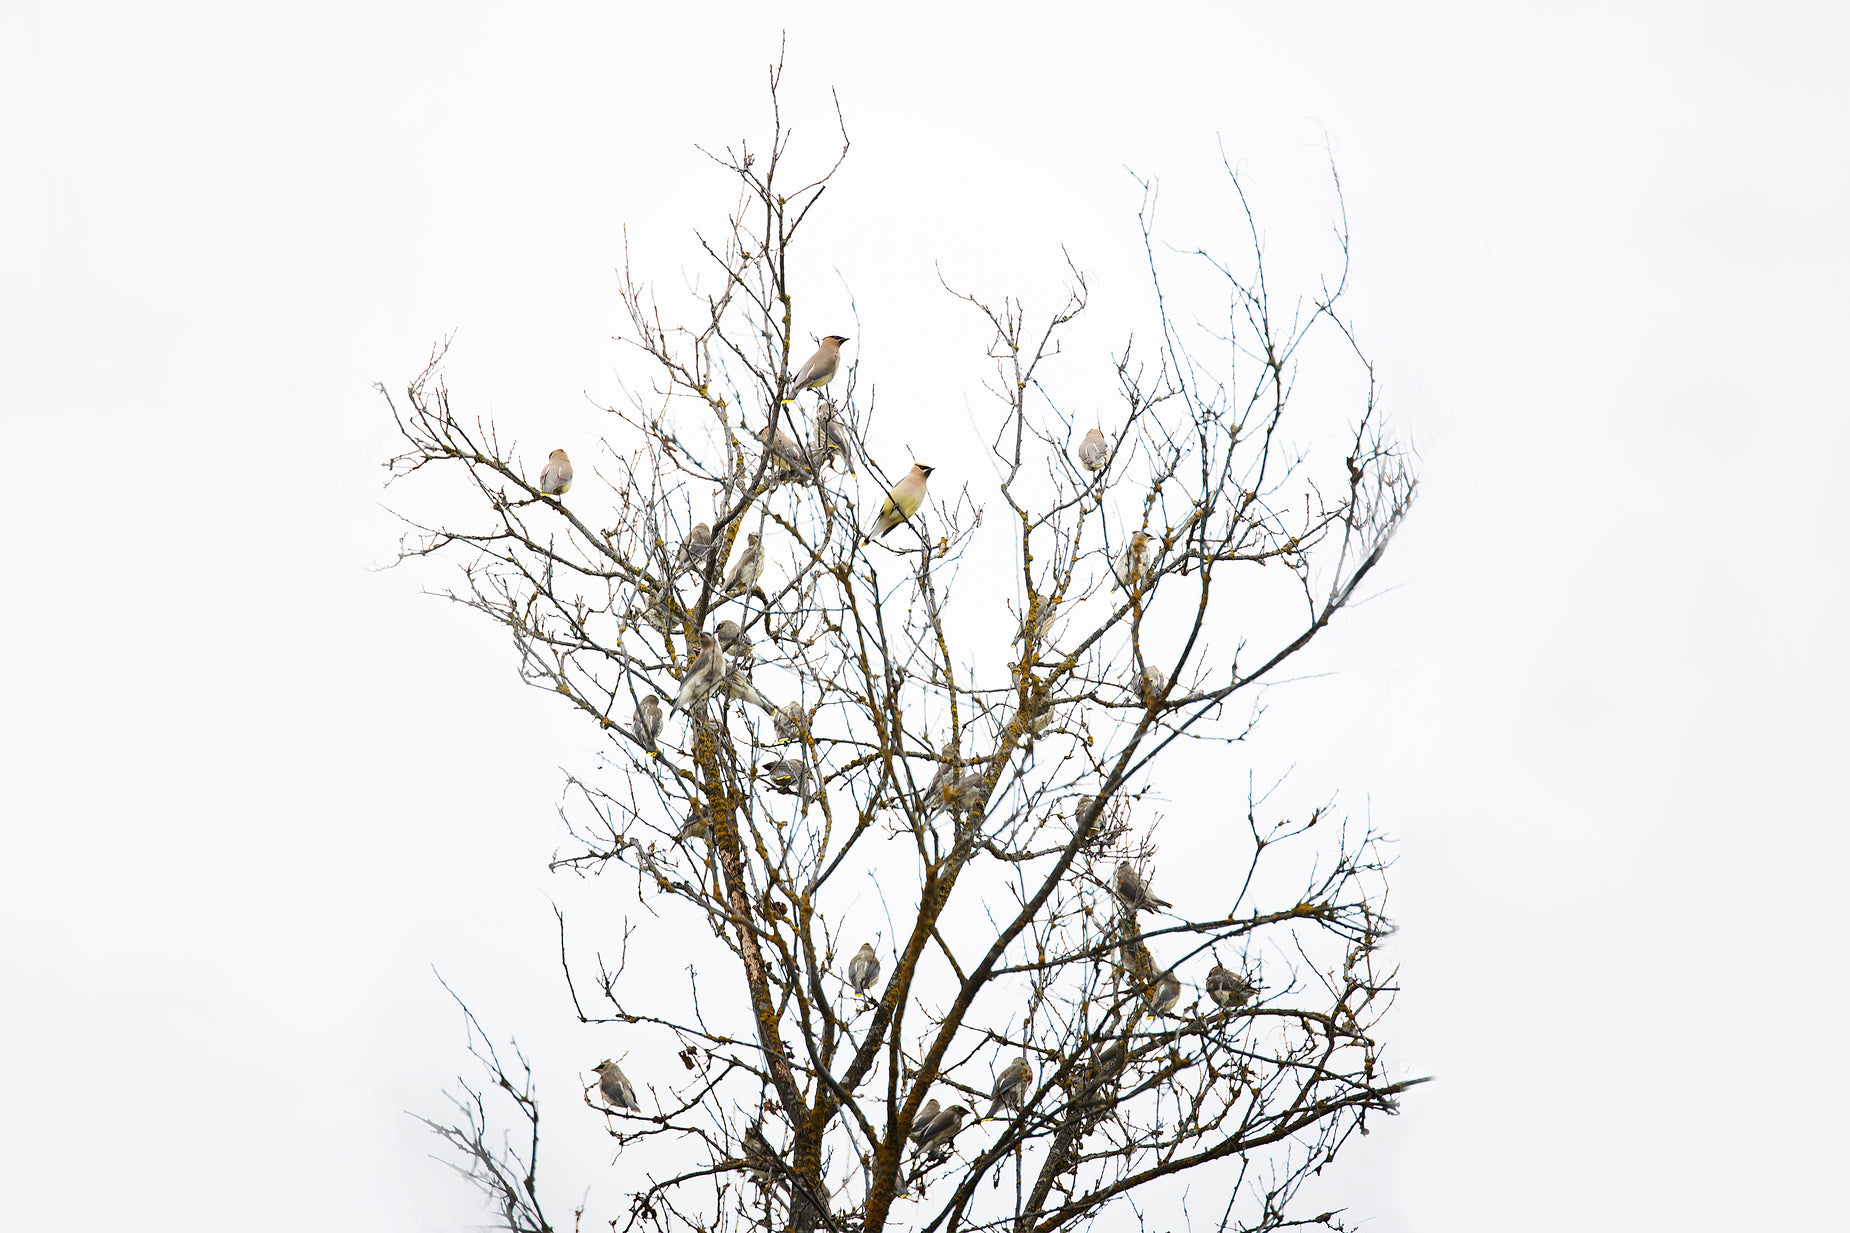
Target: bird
(903, 502)
(1112, 1057)
(1150, 684)
(1133, 564)
(1133, 890)
(864, 968)
(788, 720)
(819, 368)
(760, 1156)
(943, 1129)
(556, 475)
(1093, 452)
(1136, 957)
(786, 457)
(732, 639)
(739, 685)
(746, 570)
(699, 825)
(699, 543)
(832, 442)
(615, 1086)
(1012, 1086)
(648, 722)
(968, 791)
(787, 775)
(923, 1121)
(703, 675)
(1227, 989)
(1163, 992)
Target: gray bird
(1133, 890)
(864, 968)
(923, 1121)
(615, 1086)
(1164, 992)
(696, 547)
(1112, 1057)
(732, 639)
(648, 722)
(1136, 957)
(699, 825)
(1227, 989)
(819, 368)
(832, 442)
(1093, 452)
(739, 685)
(1133, 565)
(703, 675)
(903, 501)
(556, 475)
(746, 570)
(760, 1156)
(786, 457)
(1012, 1086)
(943, 1129)
(787, 775)
(1150, 684)
(968, 791)
(789, 721)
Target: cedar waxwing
(969, 790)
(943, 1129)
(923, 1121)
(615, 1086)
(818, 369)
(1136, 958)
(1163, 992)
(903, 502)
(1093, 452)
(787, 775)
(864, 968)
(695, 547)
(832, 442)
(1150, 684)
(556, 475)
(732, 639)
(786, 458)
(699, 825)
(789, 721)
(648, 722)
(760, 1156)
(1112, 1057)
(703, 675)
(1133, 890)
(738, 684)
(1133, 564)
(1012, 1086)
(1227, 989)
(747, 569)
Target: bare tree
(1041, 1013)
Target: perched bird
(832, 442)
(1163, 992)
(819, 368)
(1136, 957)
(903, 502)
(788, 776)
(746, 570)
(1112, 1057)
(703, 675)
(1133, 564)
(1093, 452)
(739, 685)
(1227, 989)
(968, 791)
(864, 968)
(786, 457)
(1012, 1086)
(615, 1086)
(1133, 890)
(556, 475)
(943, 1129)
(648, 723)
(696, 547)
(1150, 684)
(699, 825)
(923, 1121)
(732, 639)
(789, 721)
(943, 783)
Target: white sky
(253, 790)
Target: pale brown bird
(699, 825)
(615, 1086)
(1150, 684)
(732, 639)
(864, 968)
(819, 368)
(1133, 564)
(647, 725)
(1093, 452)
(788, 721)
(1227, 989)
(695, 547)
(923, 1121)
(943, 1129)
(1133, 890)
(786, 457)
(760, 1157)
(1163, 992)
(787, 775)
(832, 442)
(1012, 1086)
(556, 475)
(703, 675)
(738, 684)
(903, 502)
(746, 570)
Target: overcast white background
(253, 790)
